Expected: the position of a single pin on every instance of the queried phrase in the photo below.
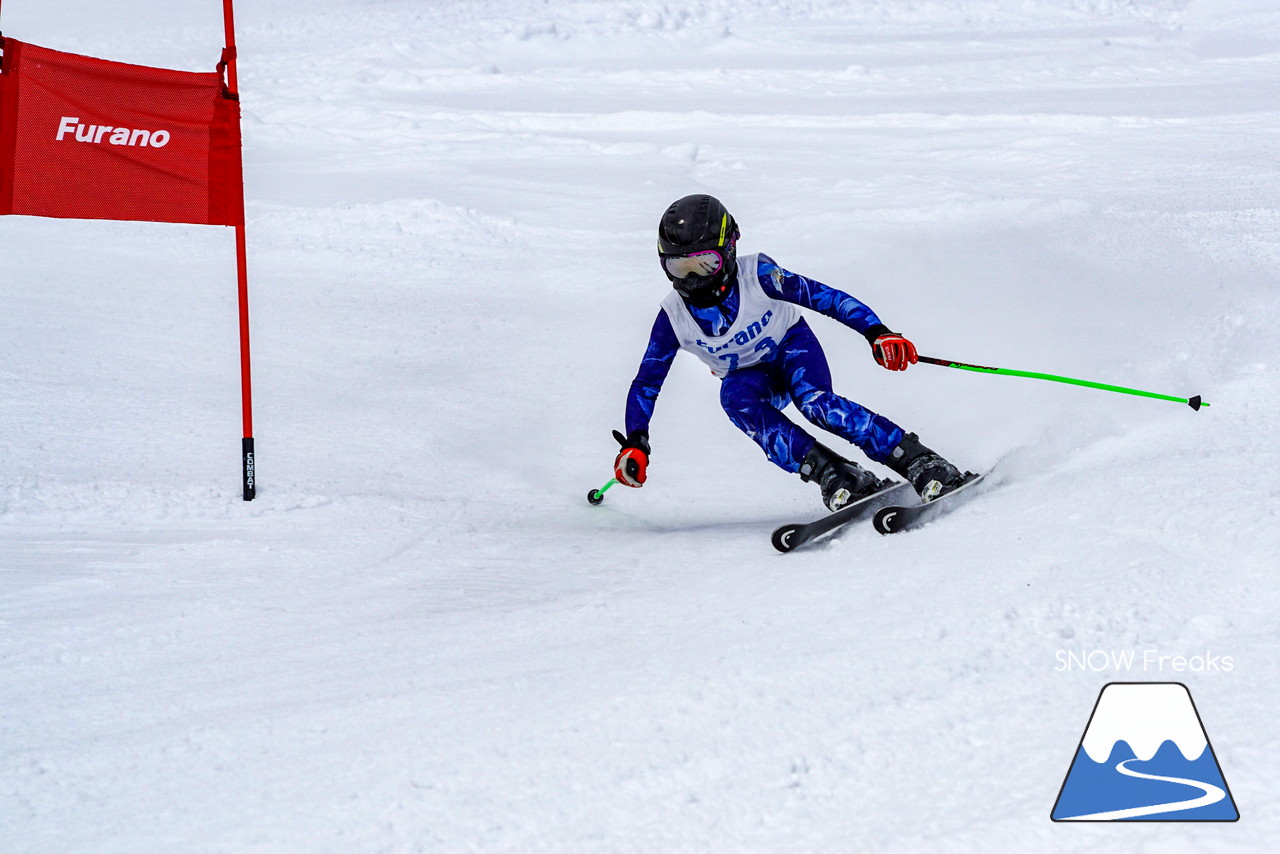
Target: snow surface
(421, 638)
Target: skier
(741, 316)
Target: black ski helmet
(698, 249)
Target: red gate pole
(242, 278)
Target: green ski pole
(596, 496)
(1193, 402)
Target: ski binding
(894, 518)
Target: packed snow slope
(420, 637)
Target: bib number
(765, 345)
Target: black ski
(894, 518)
(791, 537)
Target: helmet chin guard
(701, 292)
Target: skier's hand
(633, 460)
(894, 351)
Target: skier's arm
(630, 466)
(785, 285)
(654, 367)
(890, 349)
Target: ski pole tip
(1195, 403)
(596, 496)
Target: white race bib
(755, 333)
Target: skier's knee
(813, 406)
(735, 397)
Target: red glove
(630, 467)
(894, 351)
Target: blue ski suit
(793, 371)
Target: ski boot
(927, 472)
(841, 481)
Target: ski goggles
(705, 263)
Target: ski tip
(889, 520)
(784, 538)
(1195, 403)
